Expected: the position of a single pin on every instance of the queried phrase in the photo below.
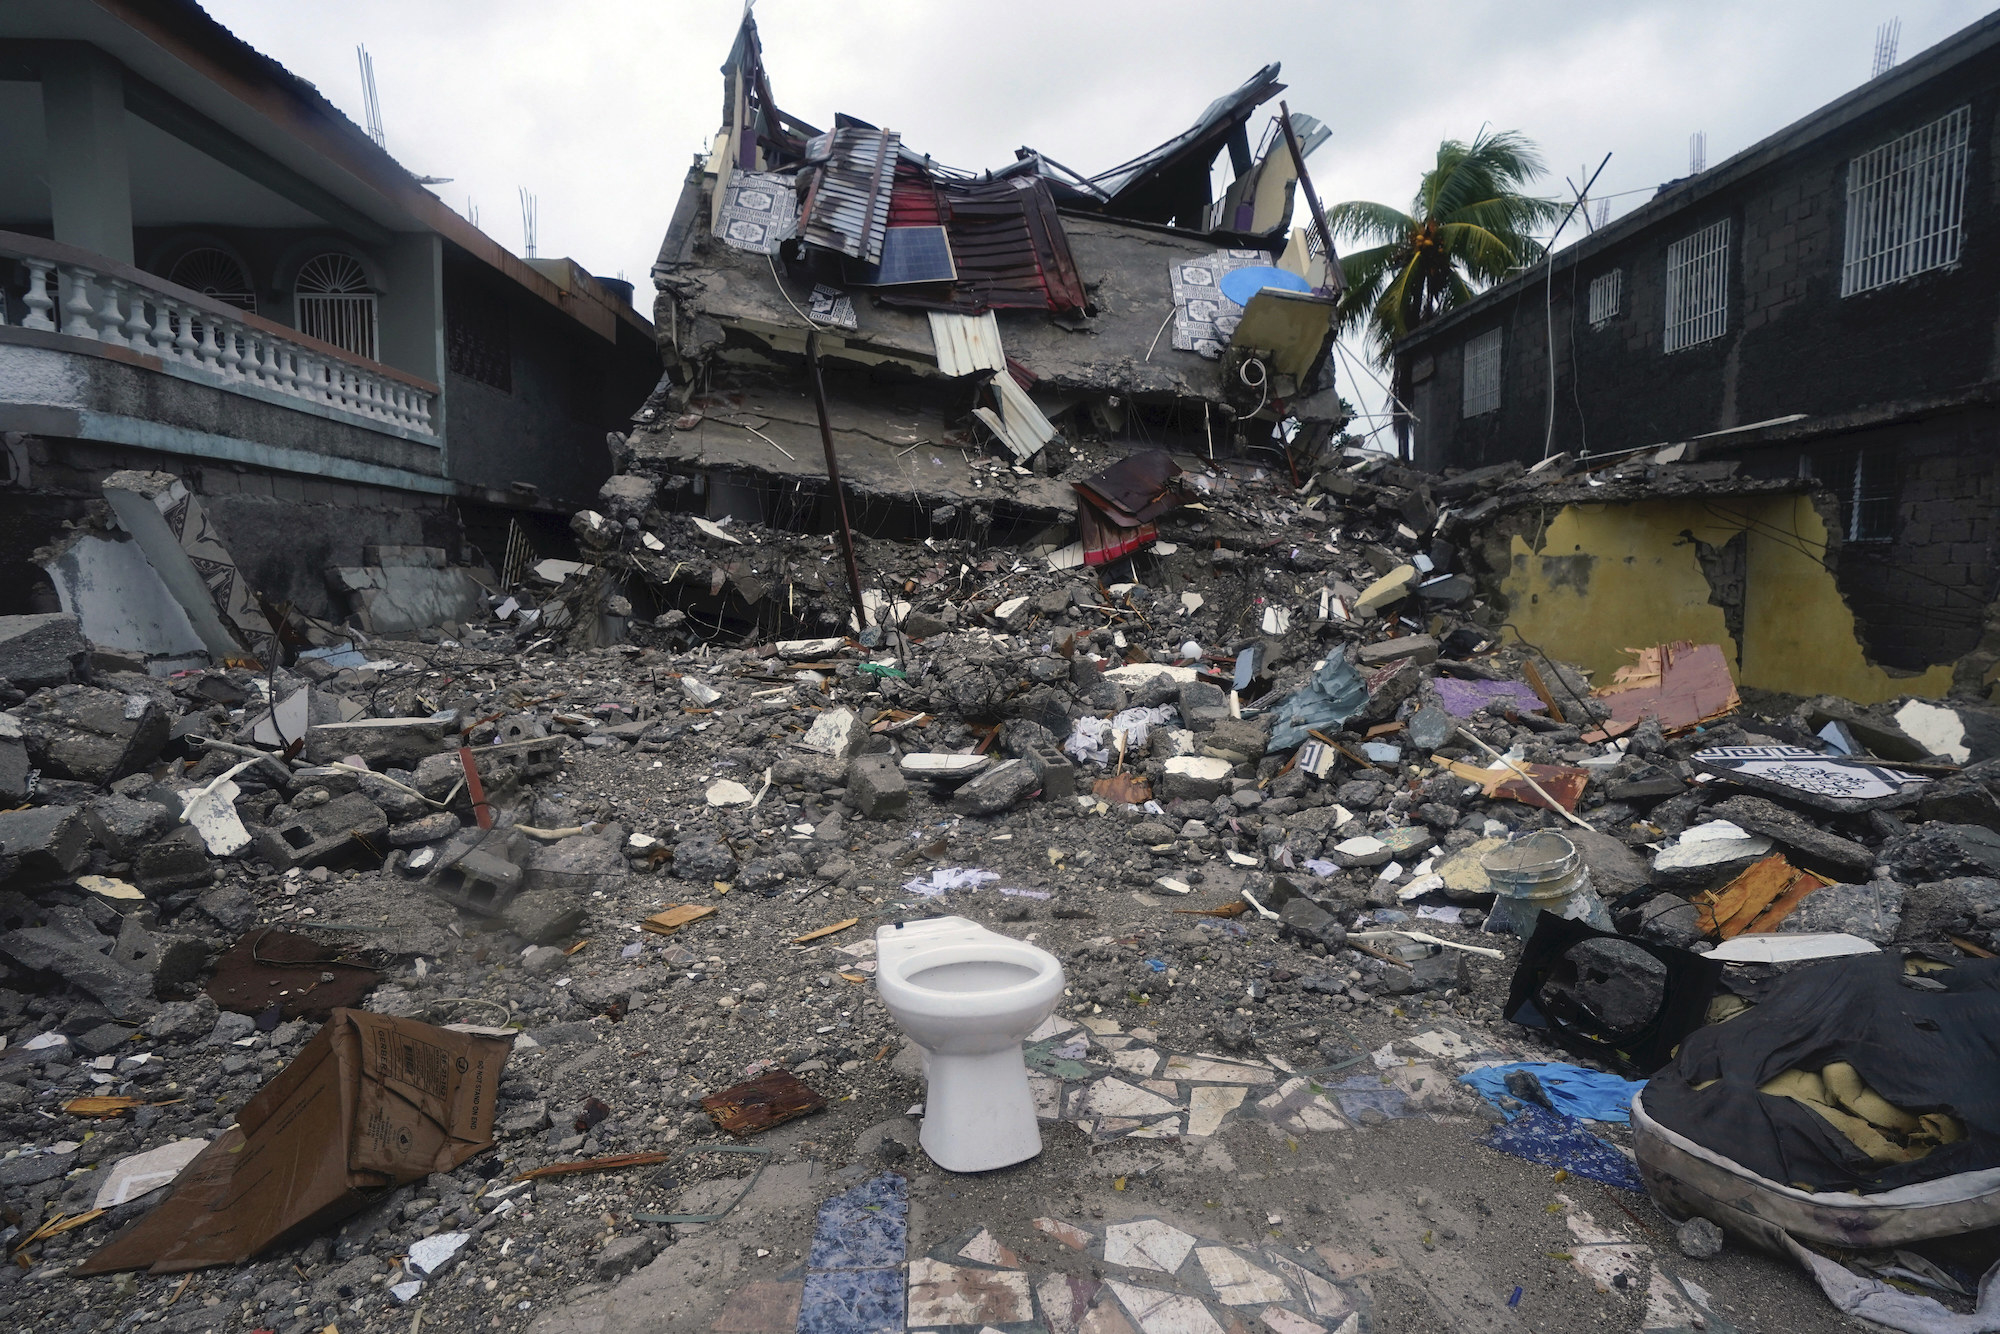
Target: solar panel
(909, 255)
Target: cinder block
(343, 829)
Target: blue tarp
(1329, 699)
(1575, 1091)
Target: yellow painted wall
(1612, 577)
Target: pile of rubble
(1257, 783)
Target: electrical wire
(1262, 384)
(823, 328)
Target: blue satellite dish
(1239, 285)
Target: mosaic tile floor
(1165, 1281)
(1113, 1083)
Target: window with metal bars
(1698, 287)
(1906, 205)
(1607, 293)
(1867, 486)
(1481, 391)
(477, 340)
(335, 303)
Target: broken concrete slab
(1811, 846)
(1390, 589)
(47, 951)
(1414, 648)
(121, 602)
(545, 916)
(996, 789)
(180, 860)
(121, 825)
(182, 545)
(1197, 777)
(47, 842)
(92, 735)
(402, 599)
(400, 743)
(46, 649)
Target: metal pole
(833, 479)
(1335, 278)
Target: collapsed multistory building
(985, 338)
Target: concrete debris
(1227, 712)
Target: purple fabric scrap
(1463, 699)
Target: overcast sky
(597, 106)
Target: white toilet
(967, 997)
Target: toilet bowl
(967, 997)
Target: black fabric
(1691, 979)
(1924, 1050)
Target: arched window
(335, 303)
(215, 273)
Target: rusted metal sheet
(761, 1103)
(847, 205)
(1008, 245)
(967, 344)
(295, 973)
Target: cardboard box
(372, 1103)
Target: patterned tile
(1209, 1105)
(1065, 1301)
(1280, 1321)
(864, 1228)
(943, 1294)
(1237, 1282)
(988, 1251)
(1146, 1244)
(1159, 1312)
(763, 1307)
(1073, 1237)
(860, 1301)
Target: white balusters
(110, 319)
(37, 298)
(138, 334)
(196, 340)
(79, 320)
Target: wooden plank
(1541, 689)
(675, 916)
(825, 931)
(1757, 900)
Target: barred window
(1698, 287)
(477, 344)
(1482, 374)
(1606, 295)
(1906, 205)
(1866, 484)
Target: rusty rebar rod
(1335, 279)
(833, 480)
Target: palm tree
(1468, 227)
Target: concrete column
(410, 313)
(90, 185)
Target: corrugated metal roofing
(967, 344)
(1008, 243)
(847, 205)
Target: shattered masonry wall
(1922, 596)
(1604, 578)
(282, 529)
